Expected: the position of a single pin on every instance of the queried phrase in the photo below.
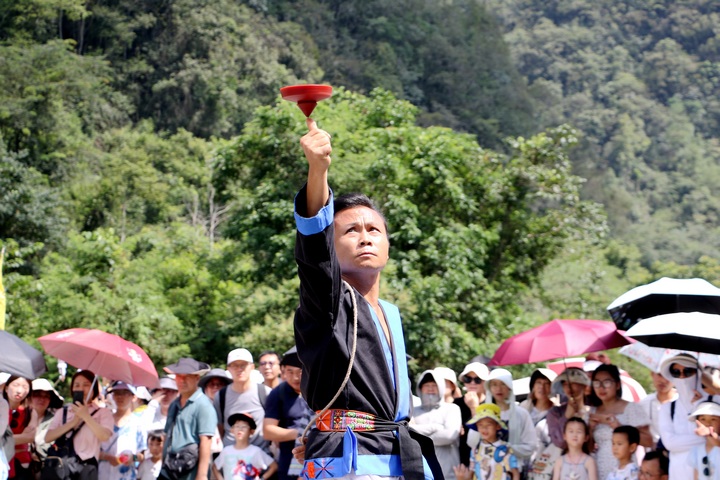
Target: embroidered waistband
(337, 420)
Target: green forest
(535, 160)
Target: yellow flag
(2, 293)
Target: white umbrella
(667, 295)
(689, 331)
(653, 357)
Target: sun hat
(44, 385)
(573, 375)
(705, 408)
(120, 385)
(166, 383)
(215, 373)
(487, 410)
(542, 373)
(685, 359)
(142, 393)
(242, 354)
(502, 375)
(448, 374)
(187, 366)
(478, 369)
(245, 417)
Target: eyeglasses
(266, 364)
(644, 474)
(469, 379)
(604, 383)
(706, 469)
(683, 373)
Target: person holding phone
(94, 423)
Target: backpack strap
(223, 393)
(262, 394)
(672, 410)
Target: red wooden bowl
(306, 96)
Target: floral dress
(634, 415)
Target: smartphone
(78, 397)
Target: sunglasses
(706, 468)
(683, 373)
(14, 420)
(475, 380)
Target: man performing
(341, 250)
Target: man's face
(269, 366)
(661, 383)
(293, 376)
(240, 370)
(361, 241)
(429, 388)
(187, 384)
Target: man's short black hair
(269, 352)
(662, 459)
(351, 200)
(632, 433)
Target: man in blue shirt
(191, 421)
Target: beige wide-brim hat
(42, 384)
(572, 375)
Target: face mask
(686, 390)
(429, 400)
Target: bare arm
(270, 471)
(317, 148)
(83, 413)
(591, 468)
(204, 457)
(216, 473)
(28, 435)
(274, 433)
(557, 468)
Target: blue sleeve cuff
(318, 223)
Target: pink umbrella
(102, 353)
(557, 339)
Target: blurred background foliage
(535, 159)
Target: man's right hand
(317, 147)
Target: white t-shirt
(149, 470)
(245, 464)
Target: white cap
(478, 369)
(242, 354)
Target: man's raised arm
(317, 148)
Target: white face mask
(429, 400)
(686, 388)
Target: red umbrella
(102, 353)
(557, 339)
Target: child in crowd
(493, 458)
(243, 461)
(150, 467)
(625, 441)
(575, 463)
(705, 459)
